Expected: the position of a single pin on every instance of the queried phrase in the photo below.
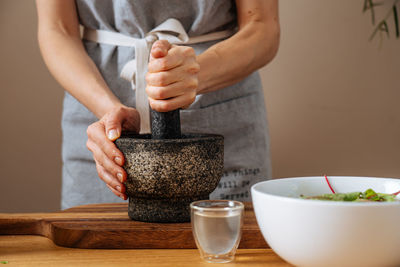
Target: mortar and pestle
(168, 170)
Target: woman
(213, 81)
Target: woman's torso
(237, 111)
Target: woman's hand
(109, 159)
(172, 81)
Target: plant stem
(329, 184)
(383, 21)
(396, 193)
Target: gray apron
(237, 112)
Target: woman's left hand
(172, 81)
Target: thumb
(112, 125)
(160, 48)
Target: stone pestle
(165, 125)
(168, 170)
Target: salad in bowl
(331, 221)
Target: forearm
(69, 63)
(253, 46)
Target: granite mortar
(166, 175)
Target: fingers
(172, 90)
(160, 48)
(112, 123)
(116, 187)
(118, 194)
(109, 159)
(173, 59)
(172, 80)
(174, 103)
(164, 78)
(98, 140)
(102, 159)
(127, 118)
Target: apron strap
(135, 70)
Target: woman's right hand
(109, 159)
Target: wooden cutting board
(108, 226)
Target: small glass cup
(217, 228)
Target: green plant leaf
(369, 193)
(387, 197)
(369, 5)
(383, 27)
(337, 197)
(368, 196)
(396, 21)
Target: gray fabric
(237, 112)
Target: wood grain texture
(23, 250)
(108, 226)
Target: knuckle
(89, 130)
(154, 104)
(100, 171)
(164, 42)
(151, 103)
(107, 163)
(119, 109)
(163, 63)
(112, 123)
(163, 106)
(193, 84)
(192, 98)
(194, 68)
(108, 152)
(115, 153)
(160, 43)
(160, 93)
(155, 92)
(148, 77)
(188, 51)
(89, 145)
(100, 162)
(157, 44)
(116, 171)
(149, 91)
(110, 116)
(162, 79)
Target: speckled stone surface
(161, 210)
(165, 125)
(164, 176)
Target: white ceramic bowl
(326, 233)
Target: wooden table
(107, 226)
(28, 250)
(103, 235)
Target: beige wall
(331, 96)
(30, 110)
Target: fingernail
(118, 160)
(112, 135)
(118, 188)
(119, 175)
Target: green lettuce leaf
(368, 196)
